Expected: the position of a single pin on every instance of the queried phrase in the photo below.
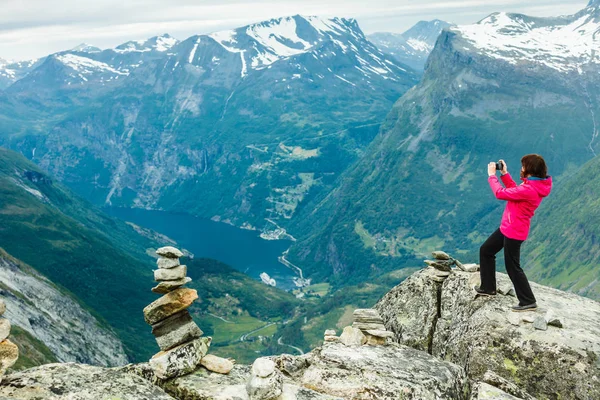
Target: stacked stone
(442, 266)
(179, 338)
(9, 352)
(370, 323)
(266, 381)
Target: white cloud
(34, 28)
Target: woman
(522, 201)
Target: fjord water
(242, 249)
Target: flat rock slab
(172, 274)
(476, 333)
(440, 255)
(165, 287)
(171, 303)
(169, 252)
(385, 373)
(175, 330)
(80, 382)
(204, 384)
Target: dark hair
(534, 165)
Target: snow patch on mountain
(157, 43)
(280, 38)
(86, 66)
(193, 52)
(564, 44)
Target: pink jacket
(523, 200)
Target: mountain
(501, 88)
(252, 121)
(49, 325)
(413, 46)
(12, 71)
(75, 77)
(80, 250)
(74, 277)
(564, 250)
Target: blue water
(242, 249)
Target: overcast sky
(35, 28)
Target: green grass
(32, 352)
(318, 289)
(225, 333)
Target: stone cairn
(367, 329)
(442, 266)
(183, 349)
(9, 352)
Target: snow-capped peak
(157, 43)
(86, 48)
(273, 40)
(564, 44)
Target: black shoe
(529, 307)
(480, 292)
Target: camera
(499, 166)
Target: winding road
(298, 349)
(245, 335)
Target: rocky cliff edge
(450, 345)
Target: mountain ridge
(469, 108)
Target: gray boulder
(77, 381)
(452, 324)
(2, 307)
(352, 337)
(369, 372)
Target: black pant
(512, 255)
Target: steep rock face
(76, 381)
(425, 172)
(484, 336)
(36, 305)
